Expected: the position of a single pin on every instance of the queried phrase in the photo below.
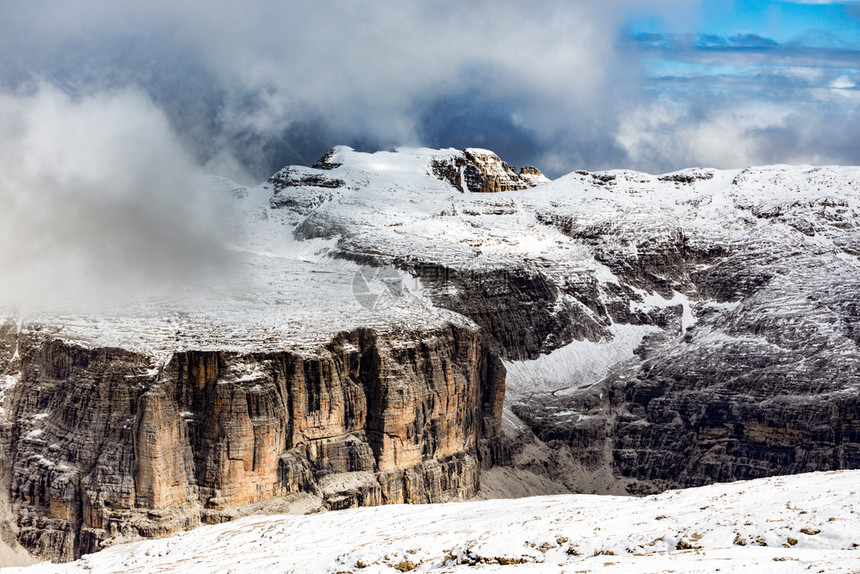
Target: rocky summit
(430, 325)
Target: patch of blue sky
(769, 50)
(821, 25)
(661, 67)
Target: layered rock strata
(100, 445)
(482, 171)
(762, 379)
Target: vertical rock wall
(100, 446)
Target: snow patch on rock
(577, 365)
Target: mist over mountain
(101, 202)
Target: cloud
(731, 101)
(831, 139)
(251, 87)
(715, 135)
(742, 51)
(101, 203)
(727, 134)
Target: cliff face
(482, 171)
(103, 446)
(761, 386)
(660, 331)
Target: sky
(110, 108)
(746, 83)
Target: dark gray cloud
(833, 137)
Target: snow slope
(803, 523)
(576, 365)
(293, 284)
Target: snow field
(803, 523)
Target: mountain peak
(479, 170)
(472, 170)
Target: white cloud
(662, 135)
(842, 83)
(726, 134)
(100, 201)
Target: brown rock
(100, 447)
(482, 171)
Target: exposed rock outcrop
(520, 311)
(294, 176)
(482, 171)
(764, 382)
(102, 446)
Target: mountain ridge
(656, 331)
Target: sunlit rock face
(103, 447)
(482, 171)
(392, 331)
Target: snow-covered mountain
(806, 523)
(656, 331)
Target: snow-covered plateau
(806, 523)
(425, 325)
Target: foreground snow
(805, 523)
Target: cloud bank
(101, 203)
(250, 87)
